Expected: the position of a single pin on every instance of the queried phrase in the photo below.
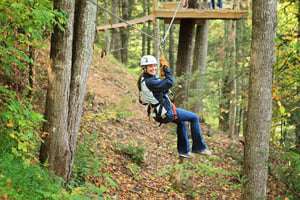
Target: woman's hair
(139, 80)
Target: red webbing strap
(174, 110)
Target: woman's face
(151, 69)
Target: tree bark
(116, 42)
(56, 147)
(184, 58)
(225, 82)
(233, 105)
(156, 43)
(199, 66)
(145, 4)
(259, 116)
(71, 52)
(124, 33)
(107, 34)
(171, 49)
(84, 34)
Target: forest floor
(113, 119)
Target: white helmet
(148, 60)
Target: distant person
(220, 2)
(206, 2)
(185, 3)
(155, 93)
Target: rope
(170, 25)
(162, 41)
(125, 21)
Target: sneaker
(187, 155)
(205, 152)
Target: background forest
(110, 162)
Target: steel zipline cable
(162, 41)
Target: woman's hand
(163, 65)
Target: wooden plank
(124, 25)
(226, 4)
(177, 21)
(173, 5)
(169, 4)
(201, 14)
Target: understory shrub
(21, 181)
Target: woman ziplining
(155, 91)
(160, 107)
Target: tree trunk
(71, 57)
(184, 58)
(148, 40)
(145, 4)
(156, 43)
(84, 33)
(233, 109)
(116, 42)
(225, 83)
(199, 66)
(107, 33)
(30, 71)
(259, 116)
(171, 49)
(124, 33)
(56, 147)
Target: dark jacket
(156, 91)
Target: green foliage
(19, 125)
(87, 191)
(87, 162)
(87, 159)
(134, 151)
(286, 167)
(286, 70)
(189, 170)
(20, 181)
(25, 23)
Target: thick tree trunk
(84, 33)
(259, 117)
(71, 53)
(184, 58)
(56, 147)
(199, 66)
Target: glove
(163, 65)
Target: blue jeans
(213, 2)
(183, 145)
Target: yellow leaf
(12, 135)
(10, 124)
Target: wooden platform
(124, 25)
(201, 14)
(167, 10)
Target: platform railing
(233, 5)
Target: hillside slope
(116, 132)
